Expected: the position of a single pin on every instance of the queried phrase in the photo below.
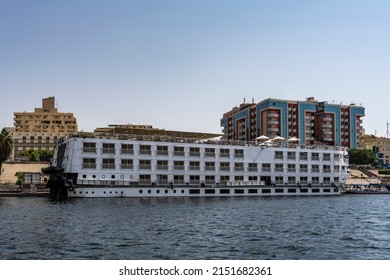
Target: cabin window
(303, 180)
(239, 166)
(178, 179)
(145, 150)
(327, 180)
(162, 150)
(178, 151)
(279, 180)
(326, 157)
(315, 156)
(144, 179)
(239, 153)
(279, 155)
(303, 156)
(315, 168)
(327, 169)
(194, 152)
(224, 166)
(162, 165)
(108, 163)
(266, 167)
(194, 165)
(89, 147)
(279, 167)
(224, 180)
(252, 167)
(315, 180)
(126, 164)
(178, 165)
(108, 148)
(225, 153)
(291, 180)
(194, 179)
(209, 152)
(162, 179)
(145, 165)
(127, 149)
(209, 180)
(210, 166)
(89, 163)
(291, 156)
(291, 168)
(303, 168)
(238, 178)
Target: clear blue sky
(180, 65)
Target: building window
(144, 179)
(303, 156)
(291, 156)
(303, 168)
(279, 180)
(315, 156)
(178, 179)
(224, 180)
(209, 179)
(315, 168)
(326, 157)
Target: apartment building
(311, 121)
(39, 130)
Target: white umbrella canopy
(293, 139)
(262, 138)
(278, 138)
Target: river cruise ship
(142, 166)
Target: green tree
(37, 155)
(361, 156)
(6, 145)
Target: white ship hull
(122, 167)
(108, 191)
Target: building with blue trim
(311, 121)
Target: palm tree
(6, 145)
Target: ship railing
(159, 138)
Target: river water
(354, 227)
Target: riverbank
(13, 190)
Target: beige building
(381, 147)
(39, 130)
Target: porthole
(140, 191)
(116, 192)
(81, 192)
(110, 192)
(149, 191)
(158, 191)
(86, 192)
(94, 176)
(84, 176)
(104, 192)
(93, 192)
(112, 176)
(182, 191)
(174, 191)
(166, 191)
(121, 192)
(103, 176)
(74, 192)
(122, 177)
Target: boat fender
(71, 188)
(273, 185)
